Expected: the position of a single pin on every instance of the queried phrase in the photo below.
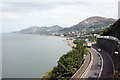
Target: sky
(16, 15)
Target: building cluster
(74, 34)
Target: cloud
(49, 12)
(9, 16)
(59, 0)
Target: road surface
(101, 65)
(108, 65)
(94, 67)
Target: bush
(68, 64)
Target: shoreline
(70, 42)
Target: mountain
(113, 30)
(55, 28)
(40, 30)
(29, 30)
(92, 23)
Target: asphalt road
(94, 68)
(108, 65)
(101, 65)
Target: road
(94, 67)
(108, 65)
(101, 65)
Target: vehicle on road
(89, 44)
(99, 50)
(115, 52)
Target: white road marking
(102, 63)
(112, 61)
(89, 66)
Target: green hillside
(113, 30)
(94, 23)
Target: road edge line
(111, 60)
(90, 64)
(102, 63)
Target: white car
(99, 50)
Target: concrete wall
(110, 46)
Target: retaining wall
(110, 46)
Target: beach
(70, 42)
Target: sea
(29, 55)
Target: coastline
(70, 43)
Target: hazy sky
(19, 15)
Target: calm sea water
(30, 56)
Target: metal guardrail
(110, 37)
(82, 69)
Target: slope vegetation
(113, 30)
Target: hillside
(40, 30)
(113, 30)
(91, 24)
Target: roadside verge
(84, 66)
